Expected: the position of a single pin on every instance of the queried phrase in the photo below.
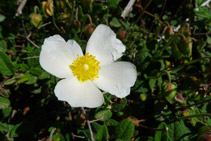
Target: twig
(128, 8)
(148, 13)
(20, 8)
(51, 134)
(206, 3)
(43, 25)
(89, 125)
(77, 136)
(33, 57)
(28, 39)
(189, 106)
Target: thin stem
(54, 23)
(168, 74)
(89, 124)
(196, 115)
(90, 18)
(195, 104)
(176, 69)
(154, 129)
(51, 134)
(29, 40)
(145, 7)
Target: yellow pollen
(85, 67)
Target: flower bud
(64, 17)
(89, 29)
(169, 90)
(176, 52)
(185, 46)
(122, 34)
(204, 129)
(47, 7)
(168, 31)
(36, 19)
(76, 24)
(205, 137)
(180, 98)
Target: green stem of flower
(196, 115)
(189, 63)
(54, 23)
(90, 18)
(168, 74)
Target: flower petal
(75, 48)
(117, 78)
(79, 94)
(56, 56)
(104, 45)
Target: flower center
(85, 67)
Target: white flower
(82, 75)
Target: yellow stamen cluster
(85, 67)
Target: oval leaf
(103, 115)
(125, 130)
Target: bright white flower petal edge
(83, 75)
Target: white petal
(56, 56)
(75, 48)
(117, 78)
(79, 94)
(104, 45)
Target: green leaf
(6, 112)
(161, 135)
(117, 107)
(24, 67)
(115, 22)
(3, 46)
(5, 103)
(6, 66)
(27, 79)
(203, 13)
(125, 130)
(44, 75)
(36, 71)
(113, 3)
(2, 18)
(102, 134)
(103, 115)
(3, 127)
(178, 131)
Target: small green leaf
(5, 103)
(2, 18)
(125, 130)
(103, 115)
(113, 3)
(178, 131)
(117, 107)
(3, 127)
(161, 135)
(102, 134)
(3, 46)
(115, 22)
(36, 71)
(6, 66)
(24, 67)
(44, 75)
